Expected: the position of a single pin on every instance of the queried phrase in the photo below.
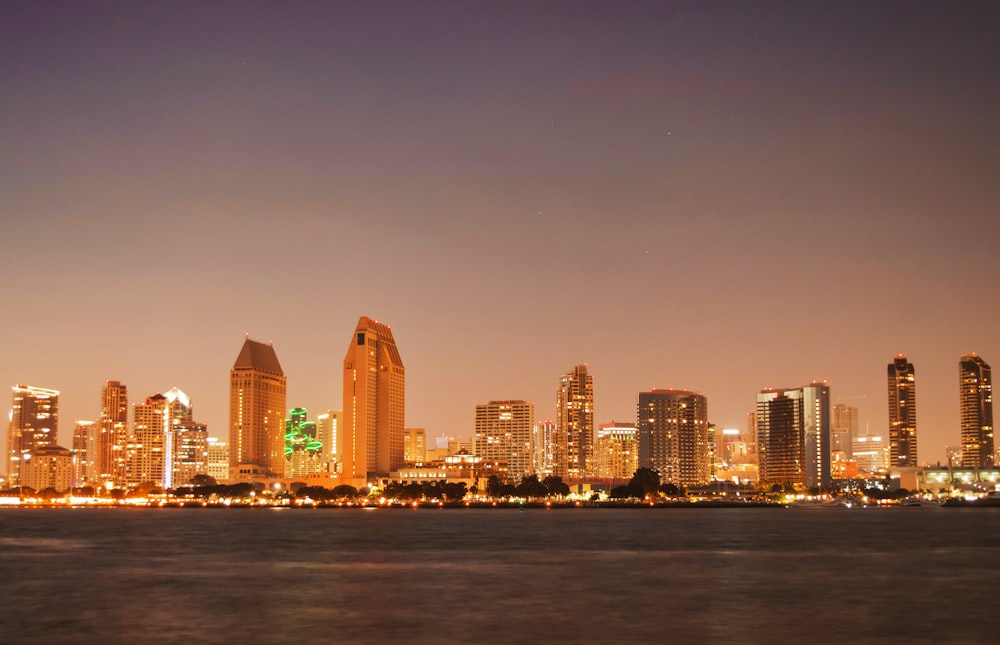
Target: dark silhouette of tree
(620, 492)
(645, 482)
(493, 486)
(202, 479)
(670, 489)
(555, 486)
(531, 487)
(345, 491)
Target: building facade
(303, 449)
(574, 424)
(503, 433)
(543, 447)
(34, 424)
(257, 392)
(371, 438)
(902, 413)
(674, 436)
(327, 427)
(114, 433)
(616, 451)
(793, 435)
(50, 467)
(976, 400)
(414, 445)
(86, 455)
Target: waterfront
(453, 575)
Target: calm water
(500, 576)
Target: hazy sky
(718, 196)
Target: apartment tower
(257, 412)
(976, 401)
(574, 424)
(503, 433)
(34, 422)
(793, 435)
(113, 433)
(674, 436)
(902, 414)
(371, 436)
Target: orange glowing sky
(713, 196)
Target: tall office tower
(371, 439)
(327, 425)
(113, 439)
(543, 442)
(673, 436)
(34, 423)
(257, 411)
(902, 414)
(218, 459)
(616, 450)
(85, 456)
(503, 433)
(793, 435)
(303, 450)
(414, 445)
(843, 430)
(574, 424)
(976, 381)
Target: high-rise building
(674, 436)
(574, 424)
(113, 439)
(843, 430)
(218, 459)
(976, 381)
(503, 433)
(616, 451)
(543, 450)
(166, 447)
(793, 435)
(34, 423)
(303, 450)
(49, 467)
(85, 455)
(371, 439)
(327, 425)
(414, 445)
(902, 413)
(257, 411)
(871, 454)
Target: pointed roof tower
(258, 356)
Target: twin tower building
(369, 436)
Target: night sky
(718, 196)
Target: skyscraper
(543, 442)
(85, 455)
(113, 433)
(327, 427)
(976, 381)
(503, 433)
(257, 411)
(371, 438)
(414, 445)
(674, 436)
(34, 423)
(902, 414)
(616, 451)
(843, 430)
(166, 447)
(574, 424)
(793, 435)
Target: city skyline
(518, 189)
